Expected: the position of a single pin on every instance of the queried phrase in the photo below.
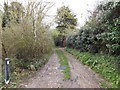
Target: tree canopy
(65, 19)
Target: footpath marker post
(7, 70)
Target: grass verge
(105, 65)
(64, 62)
(20, 72)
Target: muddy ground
(52, 77)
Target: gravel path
(51, 77)
(81, 75)
(48, 77)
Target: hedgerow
(101, 33)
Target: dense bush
(25, 39)
(29, 39)
(84, 41)
(101, 33)
(111, 23)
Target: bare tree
(29, 38)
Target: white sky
(79, 8)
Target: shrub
(29, 39)
(101, 33)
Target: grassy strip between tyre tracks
(105, 65)
(64, 62)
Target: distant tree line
(66, 22)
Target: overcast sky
(79, 7)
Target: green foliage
(16, 10)
(6, 16)
(65, 19)
(64, 62)
(111, 22)
(106, 65)
(101, 33)
(12, 13)
(27, 41)
(22, 45)
(59, 40)
(84, 41)
(20, 71)
(66, 22)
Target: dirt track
(51, 77)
